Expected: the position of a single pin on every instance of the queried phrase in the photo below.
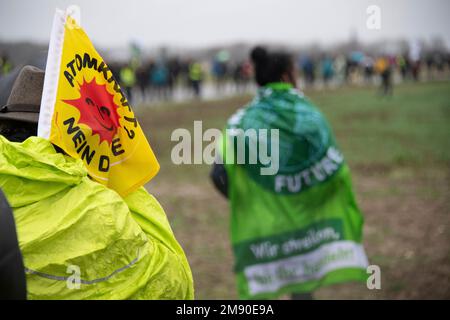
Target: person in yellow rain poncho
(78, 238)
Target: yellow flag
(85, 113)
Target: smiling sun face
(97, 110)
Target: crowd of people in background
(166, 79)
(358, 68)
(157, 79)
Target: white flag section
(269, 277)
(51, 74)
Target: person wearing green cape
(296, 228)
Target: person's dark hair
(270, 67)
(17, 131)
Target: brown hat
(25, 99)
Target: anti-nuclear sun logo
(97, 110)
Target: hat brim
(29, 117)
(21, 116)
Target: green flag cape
(70, 227)
(300, 228)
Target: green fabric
(124, 248)
(279, 86)
(301, 228)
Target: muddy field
(399, 151)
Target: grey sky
(208, 22)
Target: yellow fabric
(381, 65)
(124, 248)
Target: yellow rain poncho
(122, 248)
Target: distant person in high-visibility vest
(295, 224)
(128, 80)
(384, 69)
(5, 65)
(196, 77)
